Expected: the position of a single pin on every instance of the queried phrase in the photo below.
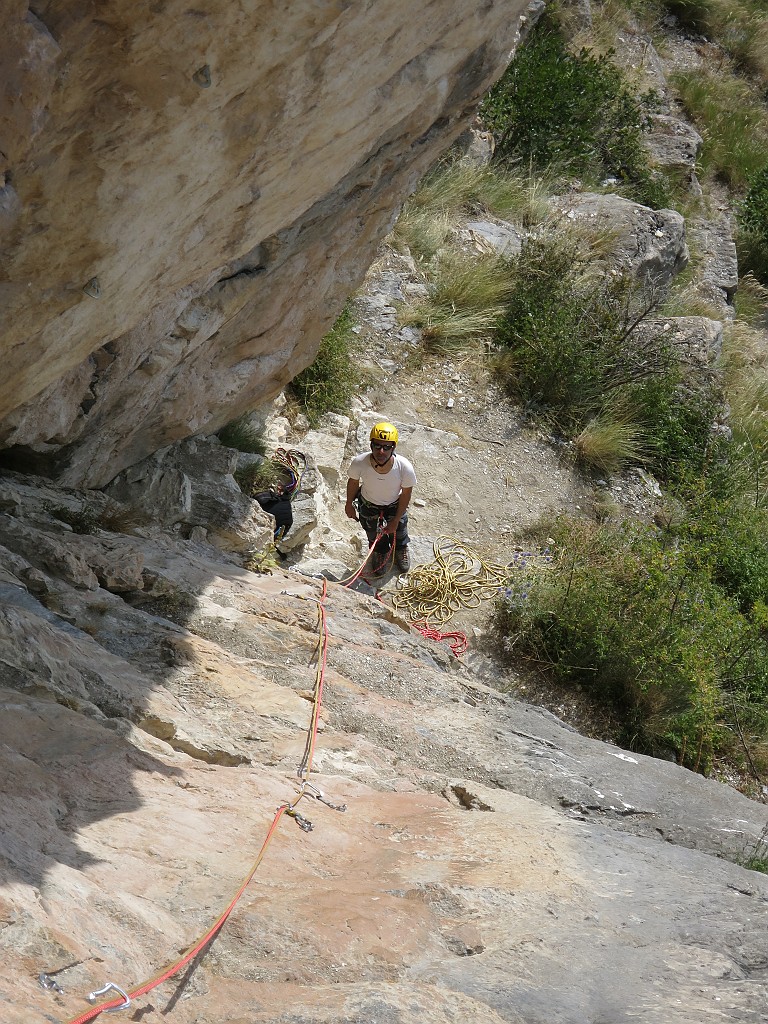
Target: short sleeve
(356, 467)
(408, 474)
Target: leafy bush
(576, 353)
(677, 413)
(335, 376)
(729, 536)
(646, 628)
(570, 110)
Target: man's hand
(391, 527)
(349, 508)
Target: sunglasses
(382, 447)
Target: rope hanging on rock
(123, 1000)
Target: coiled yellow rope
(457, 578)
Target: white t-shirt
(382, 488)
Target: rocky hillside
(492, 864)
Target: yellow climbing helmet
(385, 432)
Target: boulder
(674, 145)
(326, 447)
(648, 244)
(189, 199)
(191, 484)
(500, 238)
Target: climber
(381, 482)
(277, 501)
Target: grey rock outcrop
(191, 485)
(674, 146)
(648, 244)
(191, 196)
(146, 738)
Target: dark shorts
(372, 515)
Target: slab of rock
(481, 841)
(499, 238)
(719, 274)
(674, 145)
(326, 447)
(649, 244)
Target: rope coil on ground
(458, 578)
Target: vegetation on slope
(667, 625)
(330, 382)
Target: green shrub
(677, 414)
(557, 327)
(728, 534)
(574, 353)
(645, 628)
(335, 376)
(569, 110)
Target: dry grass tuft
(466, 300)
(607, 444)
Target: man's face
(382, 452)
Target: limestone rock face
(189, 194)
(191, 486)
(491, 866)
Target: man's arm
(402, 504)
(353, 486)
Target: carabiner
(93, 996)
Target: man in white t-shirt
(381, 481)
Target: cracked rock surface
(492, 864)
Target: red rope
(458, 641)
(306, 767)
(356, 576)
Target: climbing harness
(124, 998)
